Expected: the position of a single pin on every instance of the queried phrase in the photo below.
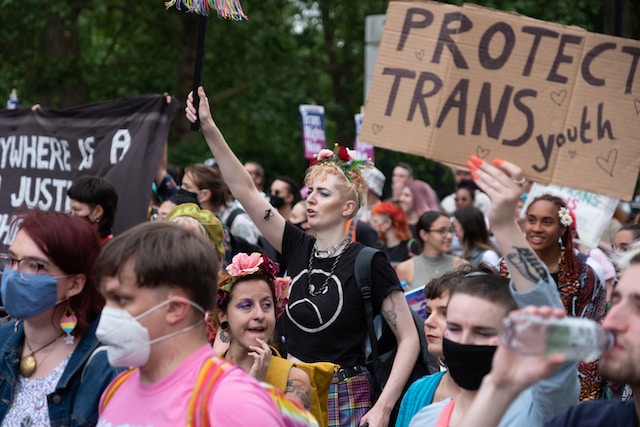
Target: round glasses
(442, 231)
(27, 265)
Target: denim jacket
(75, 400)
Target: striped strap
(198, 411)
(115, 385)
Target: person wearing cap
(206, 224)
(375, 180)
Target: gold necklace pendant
(28, 365)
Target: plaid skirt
(349, 399)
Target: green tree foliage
(63, 53)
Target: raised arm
(266, 217)
(502, 181)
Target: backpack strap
(363, 279)
(198, 410)
(113, 387)
(232, 217)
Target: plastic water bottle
(12, 103)
(576, 338)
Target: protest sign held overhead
(562, 103)
(42, 152)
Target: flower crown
(342, 157)
(258, 264)
(565, 217)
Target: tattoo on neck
(528, 264)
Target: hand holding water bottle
(516, 370)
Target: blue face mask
(28, 297)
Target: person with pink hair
(416, 198)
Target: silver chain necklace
(323, 289)
(326, 253)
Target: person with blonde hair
(325, 318)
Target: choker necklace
(326, 253)
(323, 289)
(28, 364)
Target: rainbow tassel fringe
(227, 9)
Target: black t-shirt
(597, 413)
(331, 326)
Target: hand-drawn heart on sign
(420, 54)
(608, 163)
(376, 128)
(482, 152)
(559, 96)
(572, 153)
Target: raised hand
(502, 181)
(262, 356)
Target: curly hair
(351, 187)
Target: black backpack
(384, 346)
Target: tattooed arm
(499, 181)
(299, 387)
(395, 311)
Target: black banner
(42, 152)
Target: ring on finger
(520, 182)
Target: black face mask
(468, 364)
(276, 201)
(184, 196)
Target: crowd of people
(237, 302)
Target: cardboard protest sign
(562, 103)
(593, 211)
(42, 152)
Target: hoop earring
(225, 332)
(68, 323)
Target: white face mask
(128, 343)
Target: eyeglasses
(27, 265)
(442, 231)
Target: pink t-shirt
(238, 399)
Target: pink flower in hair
(243, 264)
(281, 285)
(323, 154)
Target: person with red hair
(52, 373)
(393, 229)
